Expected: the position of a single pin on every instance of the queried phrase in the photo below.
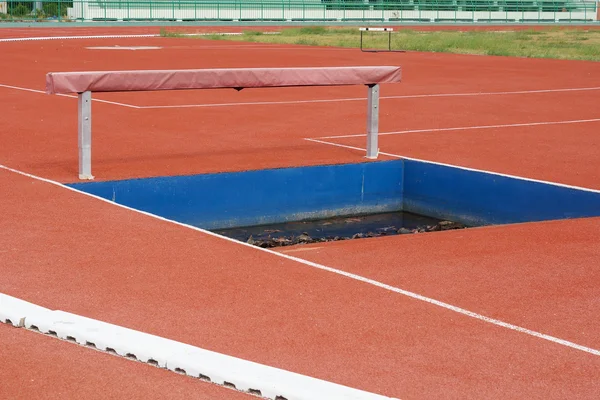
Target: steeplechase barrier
(85, 83)
(389, 32)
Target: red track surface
(558, 286)
(68, 251)
(565, 153)
(193, 140)
(38, 367)
(171, 281)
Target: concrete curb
(221, 369)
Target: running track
(64, 250)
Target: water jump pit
(300, 205)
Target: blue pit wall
(236, 199)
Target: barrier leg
(372, 121)
(361, 41)
(84, 133)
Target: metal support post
(84, 134)
(372, 121)
(361, 40)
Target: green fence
(394, 11)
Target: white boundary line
(124, 48)
(28, 39)
(414, 96)
(265, 46)
(465, 128)
(459, 167)
(68, 95)
(349, 275)
(227, 34)
(261, 103)
(245, 376)
(125, 36)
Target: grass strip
(554, 42)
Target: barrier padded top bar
(124, 81)
(377, 29)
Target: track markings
(345, 274)
(465, 128)
(128, 36)
(412, 96)
(30, 39)
(336, 100)
(68, 95)
(457, 166)
(131, 48)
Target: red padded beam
(124, 81)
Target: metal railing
(409, 11)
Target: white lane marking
(273, 383)
(465, 128)
(68, 95)
(251, 103)
(269, 47)
(459, 167)
(349, 275)
(229, 34)
(265, 46)
(412, 96)
(29, 39)
(259, 103)
(131, 48)
(127, 36)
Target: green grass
(165, 33)
(307, 30)
(252, 33)
(554, 42)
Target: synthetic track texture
(151, 142)
(209, 292)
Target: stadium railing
(338, 11)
